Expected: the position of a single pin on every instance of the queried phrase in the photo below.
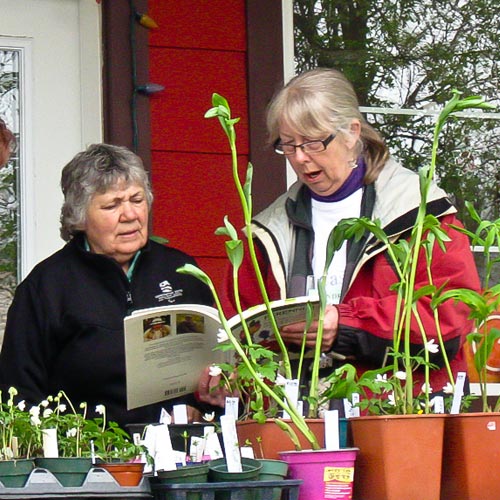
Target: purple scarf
(352, 184)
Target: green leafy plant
(392, 389)
(109, 442)
(19, 438)
(58, 412)
(482, 304)
(258, 372)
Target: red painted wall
(198, 49)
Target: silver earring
(352, 163)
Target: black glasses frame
(325, 143)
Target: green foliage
(110, 441)
(484, 304)
(412, 53)
(57, 412)
(256, 371)
(18, 437)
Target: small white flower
(431, 347)
(426, 390)
(22, 405)
(100, 409)
(61, 407)
(47, 412)
(222, 336)
(400, 375)
(391, 400)
(280, 380)
(71, 432)
(34, 411)
(214, 370)
(448, 388)
(44, 403)
(381, 378)
(35, 420)
(431, 403)
(209, 416)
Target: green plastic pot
(273, 470)
(186, 474)
(15, 473)
(217, 473)
(183, 475)
(70, 472)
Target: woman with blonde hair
(344, 170)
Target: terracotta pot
(400, 457)
(125, 473)
(267, 439)
(471, 457)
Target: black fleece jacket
(65, 325)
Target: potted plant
(472, 436)
(393, 391)
(64, 451)
(18, 441)
(113, 449)
(258, 374)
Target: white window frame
(25, 196)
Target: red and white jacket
(284, 238)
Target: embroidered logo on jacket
(168, 293)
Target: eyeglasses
(309, 147)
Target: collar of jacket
(78, 241)
(393, 199)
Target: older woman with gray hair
(65, 325)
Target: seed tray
(237, 490)
(98, 484)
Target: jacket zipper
(130, 302)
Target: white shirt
(325, 216)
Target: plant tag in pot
(438, 404)
(292, 391)
(213, 449)
(50, 449)
(332, 439)
(233, 458)
(231, 407)
(180, 414)
(457, 395)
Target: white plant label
(180, 414)
(230, 437)
(459, 392)
(332, 439)
(50, 449)
(292, 391)
(231, 407)
(438, 404)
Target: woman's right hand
(209, 390)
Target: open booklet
(167, 347)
